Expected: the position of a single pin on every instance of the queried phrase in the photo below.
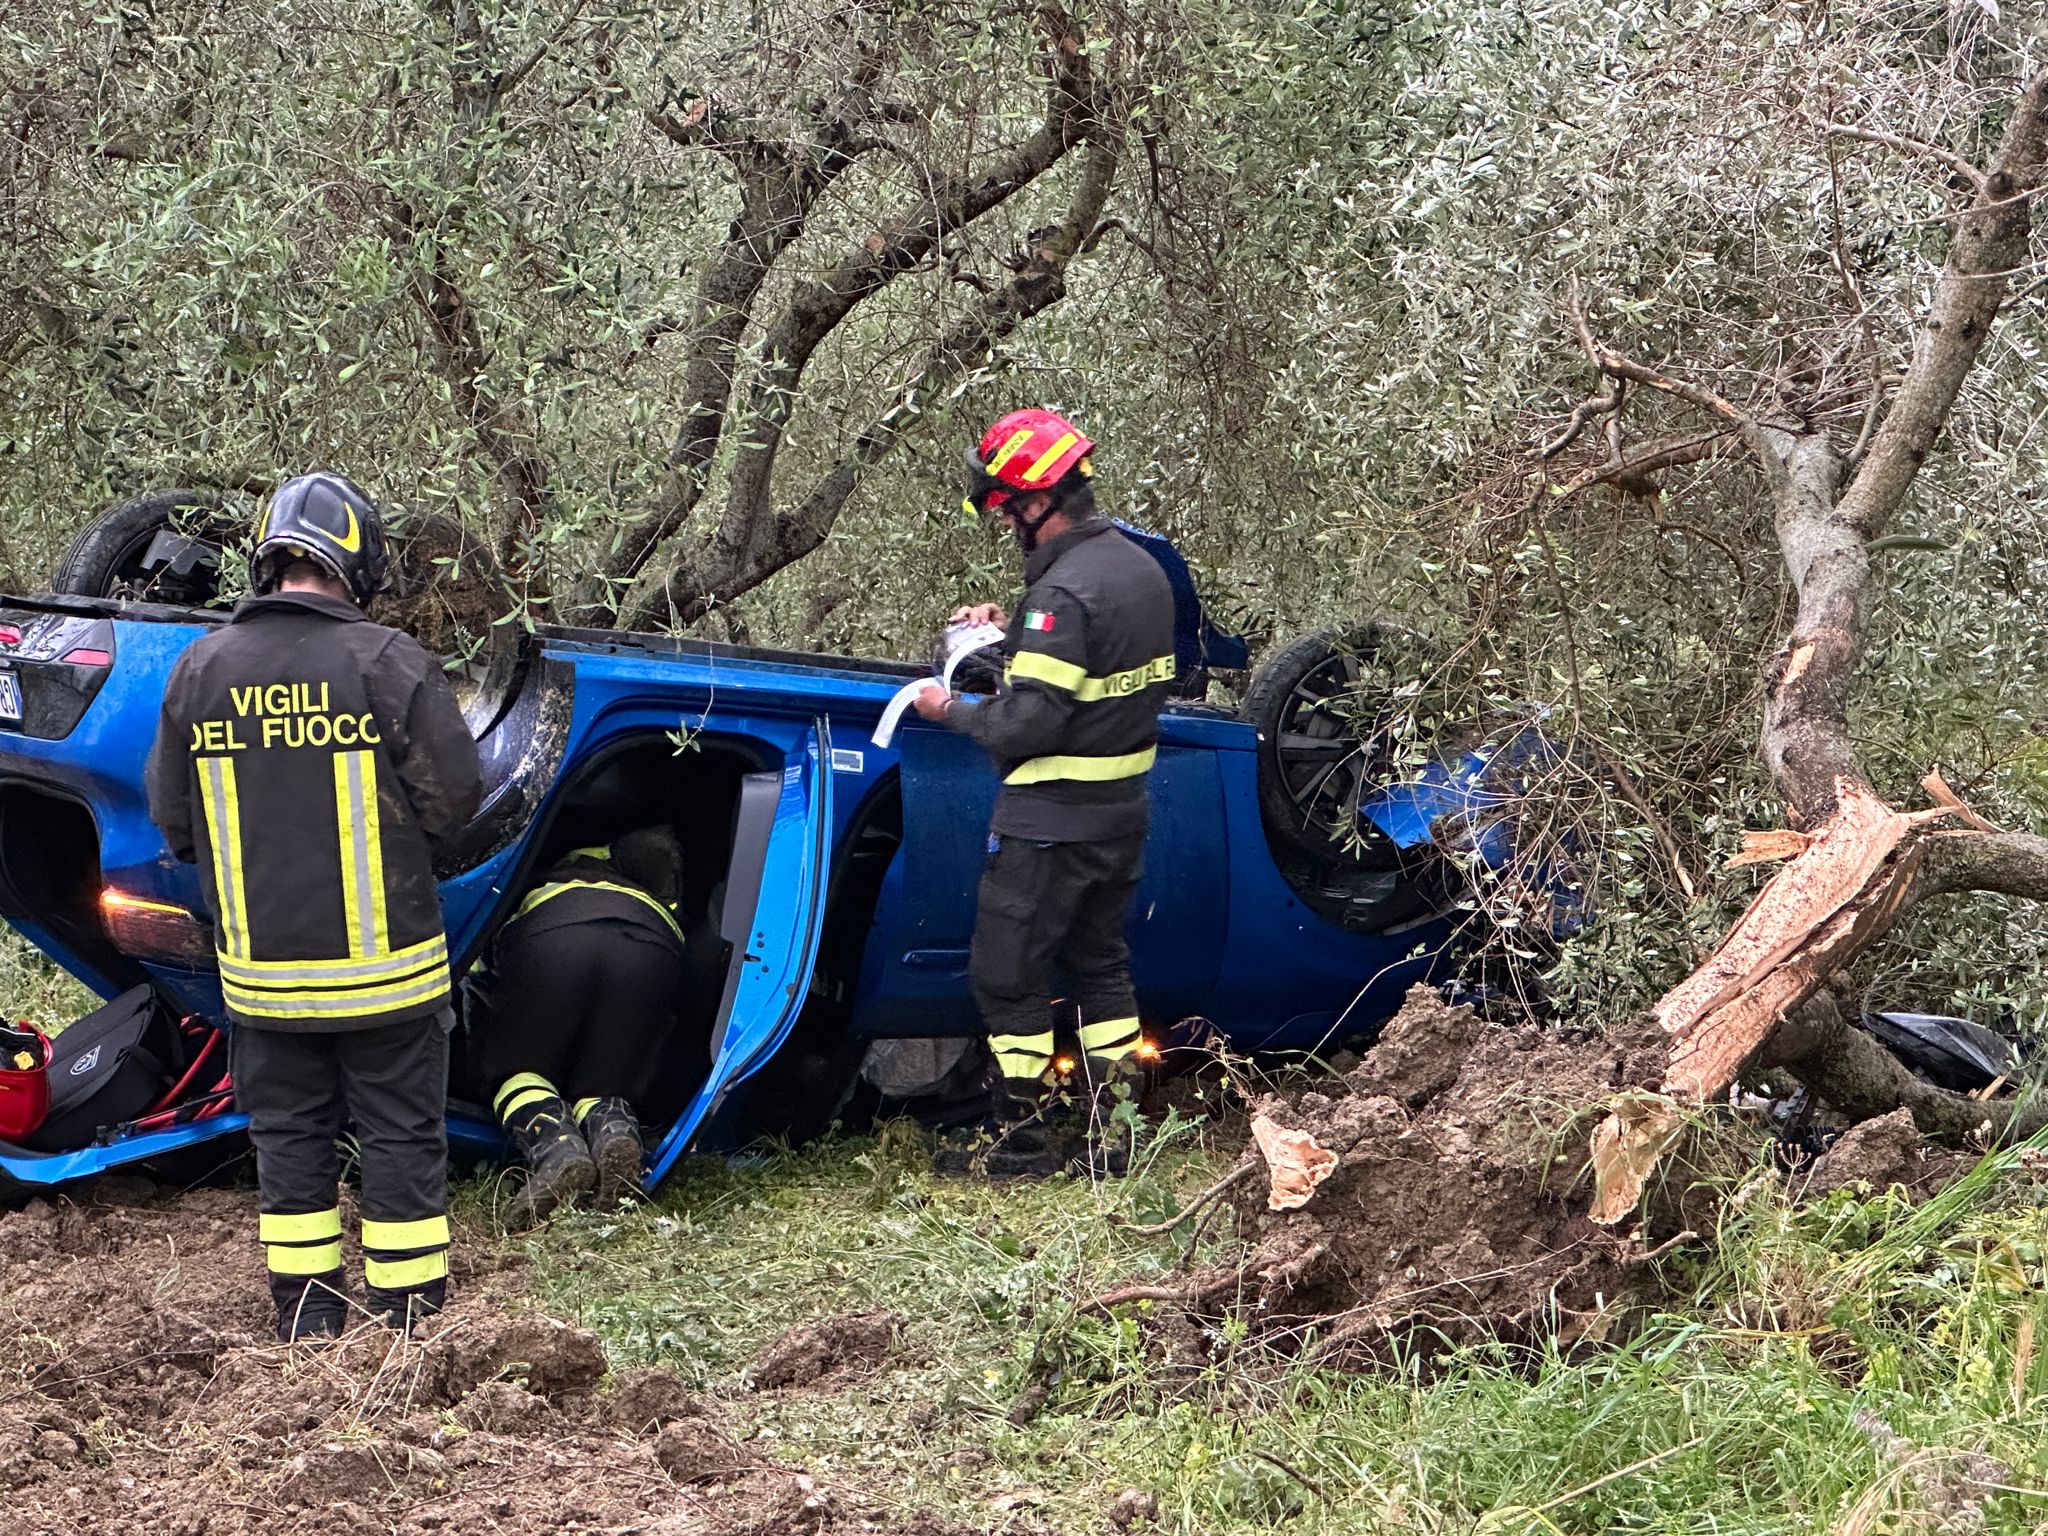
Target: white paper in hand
(959, 642)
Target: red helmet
(1028, 450)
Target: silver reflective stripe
(362, 852)
(224, 833)
(291, 973)
(303, 1005)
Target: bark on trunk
(1859, 864)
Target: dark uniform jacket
(1076, 727)
(589, 883)
(308, 760)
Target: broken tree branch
(1853, 1074)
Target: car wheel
(162, 547)
(1326, 708)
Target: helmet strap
(1027, 532)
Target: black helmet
(328, 520)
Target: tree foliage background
(1312, 273)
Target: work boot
(559, 1168)
(1098, 1145)
(311, 1309)
(402, 1311)
(1022, 1148)
(613, 1133)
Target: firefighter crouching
(1073, 734)
(309, 761)
(588, 977)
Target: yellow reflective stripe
(308, 1228)
(581, 1108)
(1095, 770)
(224, 834)
(399, 963)
(602, 851)
(1022, 1055)
(427, 1232)
(1064, 674)
(1111, 1037)
(521, 1099)
(362, 853)
(1047, 459)
(338, 1001)
(1122, 684)
(354, 893)
(555, 888)
(1008, 451)
(1042, 668)
(516, 1084)
(304, 1261)
(402, 1274)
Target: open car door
(773, 916)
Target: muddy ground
(140, 1392)
(1457, 1210)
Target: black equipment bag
(106, 1069)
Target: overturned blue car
(1296, 883)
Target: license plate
(10, 697)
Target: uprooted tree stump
(1457, 1206)
(1484, 1176)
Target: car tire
(112, 556)
(1319, 706)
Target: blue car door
(774, 915)
(1176, 924)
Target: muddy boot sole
(543, 1194)
(619, 1164)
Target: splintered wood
(1295, 1161)
(1841, 889)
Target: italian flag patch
(1038, 619)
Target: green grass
(1736, 1412)
(35, 988)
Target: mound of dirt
(828, 1346)
(140, 1392)
(1877, 1154)
(1458, 1201)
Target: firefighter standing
(589, 974)
(1073, 735)
(308, 761)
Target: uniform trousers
(1051, 911)
(586, 1005)
(391, 1081)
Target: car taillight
(88, 656)
(155, 930)
(10, 634)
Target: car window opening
(699, 793)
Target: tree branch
(1972, 177)
(1630, 471)
(1824, 531)
(509, 80)
(752, 539)
(1989, 243)
(501, 432)
(748, 550)
(1854, 1075)
(2009, 863)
